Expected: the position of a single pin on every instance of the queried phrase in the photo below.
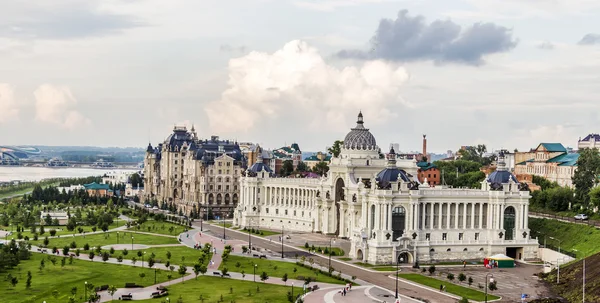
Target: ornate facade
(377, 203)
(200, 175)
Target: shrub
(450, 277)
(431, 269)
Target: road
(378, 279)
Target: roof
(96, 186)
(389, 175)
(315, 158)
(500, 257)
(595, 137)
(423, 165)
(554, 147)
(360, 137)
(565, 159)
(501, 177)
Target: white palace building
(374, 201)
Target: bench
(216, 273)
(262, 257)
(158, 294)
(128, 297)
(132, 285)
(161, 288)
(226, 275)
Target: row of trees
(12, 253)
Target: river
(21, 173)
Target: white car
(581, 217)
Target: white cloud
(329, 5)
(9, 109)
(57, 105)
(295, 81)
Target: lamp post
(293, 291)
(400, 259)
(85, 291)
(223, 227)
(255, 265)
(201, 220)
(282, 243)
(583, 290)
(330, 241)
(117, 237)
(249, 238)
(487, 280)
(154, 274)
(559, 241)
(131, 242)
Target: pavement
(358, 294)
(380, 279)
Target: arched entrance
(359, 255)
(175, 193)
(339, 196)
(404, 257)
(398, 222)
(509, 223)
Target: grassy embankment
(452, 288)
(570, 236)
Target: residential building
(590, 141)
(72, 188)
(61, 217)
(98, 190)
(199, 176)
(549, 160)
(316, 158)
(387, 215)
(118, 177)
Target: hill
(571, 280)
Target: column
(526, 216)
(480, 215)
(440, 215)
(448, 205)
(456, 215)
(464, 220)
(388, 220)
(423, 215)
(472, 216)
(501, 210)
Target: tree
(112, 290)
(86, 246)
(586, 175)
(14, 281)
(321, 168)
(336, 148)
(105, 256)
(46, 241)
(133, 260)
(53, 232)
(595, 196)
(65, 250)
(431, 269)
(450, 277)
(224, 271)
(301, 167)
(264, 276)
(151, 262)
(42, 231)
(182, 270)
(63, 262)
(91, 255)
(125, 252)
(470, 281)
(285, 278)
(462, 277)
(463, 300)
(197, 269)
(287, 168)
(112, 251)
(28, 283)
(168, 255)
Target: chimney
(425, 146)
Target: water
(22, 173)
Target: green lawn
(246, 264)
(107, 239)
(385, 268)
(220, 223)
(190, 255)
(584, 238)
(54, 277)
(212, 288)
(163, 228)
(452, 288)
(62, 230)
(321, 249)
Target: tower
(425, 146)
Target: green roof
(315, 158)
(554, 147)
(565, 159)
(423, 165)
(96, 186)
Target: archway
(509, 223)
(398, 222)
(211, 199)
(226, 199)
(339, 196)
(175, 193)
(219, 199)
(404, 257)
(359, 255)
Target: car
(581, 217)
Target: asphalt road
(378, 279)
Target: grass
(274, 269)
(582, 237)
(366, 265)
(452, 288)
(109, 238)
(190, 255)
(62, 230)
(212, 288)
(385, 268)
(336, 250)
(220, 223)
(163, 228)
(63, 280)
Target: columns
(464, 219)
(424, 226)
(501, 216)
(456, 215)
(472, 216)
(480, 215)
(448, 207)
(526, 216)
(440, 215)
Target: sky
(505, 73)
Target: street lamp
(154, 274)
(400, 259)
(143, 259)
(293, 290)
(330, 241)
(255, 265)
(282, 242)
(117, 237)
(131, 242)
(583, 291)
(487, 280)
(249, 238)
(559, 241)
(85, 290)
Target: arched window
(219, 199)
(235, 199)
(211, 199)
(509, 223)
(398, 222)
(226, 199)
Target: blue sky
(507, 73)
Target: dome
(360, 137)
(501, 175)
(391, 173)
(259, 166)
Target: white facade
(376, 204)
(117, 177)
(71, 188)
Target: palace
(377, 202)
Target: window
(211, 187)
(444, 236)
(460, 236)
(227, 187)
(302, 213)
(235, 187)
(228, 163)
(212, 179)
(219, 171)
(220, 163)
(227, 179)
(267, 210)
(286, 212)
(218, 187)
(277, 211)
(175, 161)
(428, 175)
(427, 236)
(294, 213)
(476, 236)
(219, 179)
(434, 176)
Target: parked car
(581, 217)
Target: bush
(53, 232)
(450, 277)
(431, 269)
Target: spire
(359, 121)
(391, 158)
(149, 149)
(501, 162)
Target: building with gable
(316, 158)
(549, 160)
(198, 176)
(376, 202)
(590, 141)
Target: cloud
(590, 39)
(60, 19)
(9, 109)
(547, 45)
(226, 48)
(296, 83)
(411, 39)
(56, 105)
(329, 5)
